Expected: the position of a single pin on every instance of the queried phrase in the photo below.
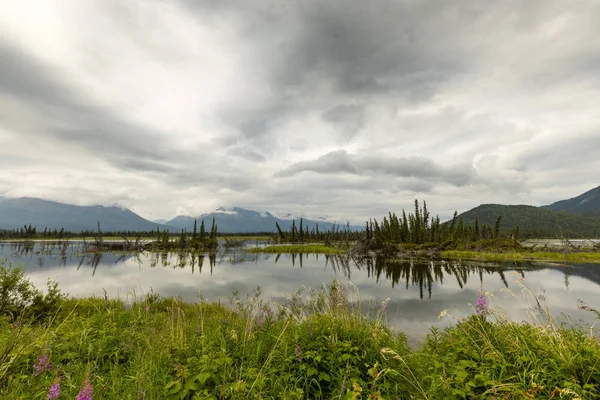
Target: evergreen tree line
(199, 240)
(302, 234)
(31, 232)
(421, 228)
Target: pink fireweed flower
(482, 307)
(298, 352)
(42, 365)
(54, 391)
(86, 391)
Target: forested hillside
(586, 203)
(536, 221)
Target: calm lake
(417, 291)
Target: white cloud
(179, 106)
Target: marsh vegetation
(319, 345)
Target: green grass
(318, 346)
(300, 248)
(242, 237)
(173, 349)
(579, 257)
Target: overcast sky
(344, 108)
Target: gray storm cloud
(340, 161)
(354, 107)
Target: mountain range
(241, 220)
(17, 212)
(575, 217)
(586, 203)
(14, 213)
(572, 218)
(536, 221)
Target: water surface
(417, 291)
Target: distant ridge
(14, 213)
(536, 221)
(17, 212)
(586, 203)
(575, 217)
(241, 220)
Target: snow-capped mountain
(236, 219)
(16, 212)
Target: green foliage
(586, 203)
(317, 346)
(480, 359)
(507, 255)
(20, 299)
(299, 233)
(535, 222)
(197, 242)
(307, 248)
(423, 230)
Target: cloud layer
(344, 108)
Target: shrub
(19, 298)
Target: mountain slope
(586, 203)
(241, 220)
(535, 221)
(14, 213)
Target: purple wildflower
(198, 330)
(147, 308)
(298, 351)
(54, 391)
(482, 308)
(85, 393)
(260, 323)
(42, 365)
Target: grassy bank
(319, 346)
(300, 248)
(244, 238)
(553, 256)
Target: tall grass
(297, 249)
(578, 257)
(316, 346)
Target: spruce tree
(497, 227)
(293, 231)
(202, 230)
(213, 229)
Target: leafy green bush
(19, 298)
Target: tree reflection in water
(424, 273)
(420, 273)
